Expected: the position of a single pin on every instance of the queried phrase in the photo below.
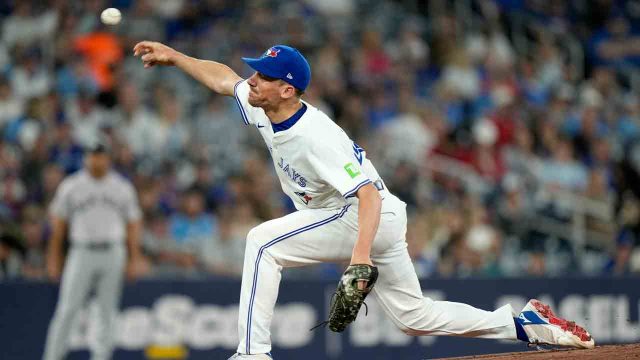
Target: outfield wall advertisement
(198, 319)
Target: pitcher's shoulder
(320, 124)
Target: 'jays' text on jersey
(317, 164)
(96, 209)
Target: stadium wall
(197, 319)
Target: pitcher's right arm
(214, 75)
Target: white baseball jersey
(320, 168)
(97, 210)
(317, 164)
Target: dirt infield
(609, 352)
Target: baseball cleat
(238, 356)
(544, 327)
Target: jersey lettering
(96, 201)
(292, 173)
(311, 161)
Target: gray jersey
(97, 210)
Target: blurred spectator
(34, 231)
(123, 158)
(353, 118)
(203, 183)
(562, 171)
(550, 69)
(599, 191)
(516, 218)
(483, 125)
(425, 241)
(23, 26)
(169, 137)
(329, 68)
(135, 123)
(158, 247)
(86, 118)
(460, 79)
(11, 251)
(616, 44)
(50, 178)
(627, 209)
(11, 106)
(191, 231)
(150, 203)
(627, 127)
(142, 23)
(486, 158)
(30, 78)
(372, 56)
(13, 191)
(411, 47)
(333, 8)
(403, 182)
(102, 51)
(167, 9)
(73, 76)
(226, 254)
(451, 229)
(522, 161)
(65, 152)
(218, 136)
(24, 130)
(408, 127)
(482, 244)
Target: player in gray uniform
(99, 208)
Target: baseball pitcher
(345, 212)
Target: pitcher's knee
(257, 239)
(410, 332)
(418, 320)
(411, 327)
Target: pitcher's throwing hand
(154, 53)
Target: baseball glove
(348, 299)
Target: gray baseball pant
(86, 268)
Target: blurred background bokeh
(510, 127)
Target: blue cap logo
(284, 63)
(272, 52)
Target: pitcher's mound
(608, 352)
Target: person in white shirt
(99, 211)
(345, 212)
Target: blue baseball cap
(284, 63)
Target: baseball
(110, 16)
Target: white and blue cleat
(543, 327)
(238, 356)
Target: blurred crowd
(509, 127)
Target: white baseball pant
(318, 235)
